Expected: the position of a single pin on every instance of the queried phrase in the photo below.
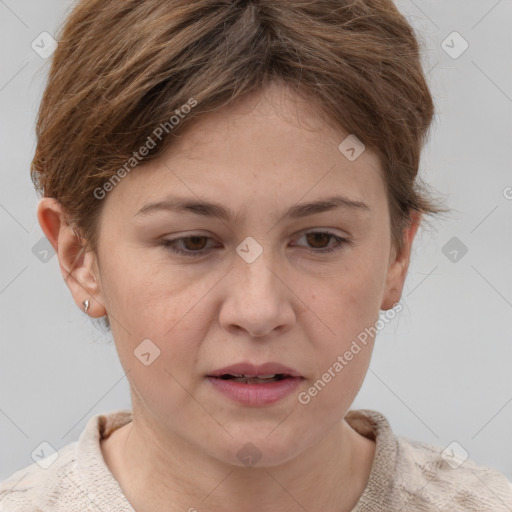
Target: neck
(154, 472)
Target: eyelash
(171, 244)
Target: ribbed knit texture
(406, 475)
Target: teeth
(241, 375)
(248, 380)
(260, 379)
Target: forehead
(272, 147)
(269, 120)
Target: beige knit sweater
(406, 475)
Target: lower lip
(255, 394)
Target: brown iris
(316, 236)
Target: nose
(258, 300)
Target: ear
(78, 268)
(399, 264)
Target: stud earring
(86, 305)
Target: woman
(233, 187)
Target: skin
(290, 305)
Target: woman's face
(251, 287)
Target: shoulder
(41, 484)
(74, 478)
(433, 476)
(420, 477)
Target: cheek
(344, 310)
(170, 308)
(349, 301)
(341, 351)
(157, 336)
(146, 294)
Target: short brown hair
(123, 68)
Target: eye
(194, 245)
(316, 238)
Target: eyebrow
(215, 210)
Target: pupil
(194, 240)
(315, 236)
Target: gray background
(441, 371)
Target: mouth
(255, 385)
(259, 379)
(267, 372)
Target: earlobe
(397, 271)
(76, 265)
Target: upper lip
(252, 370)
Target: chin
(253, 449)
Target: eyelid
(340, 242)
(169, 244)
(330, 231)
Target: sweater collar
(380, 489)
(104, 490)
